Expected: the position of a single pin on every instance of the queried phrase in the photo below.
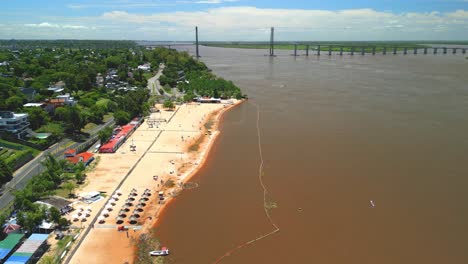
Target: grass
(106, 117)
(88, 127)
(17, 147)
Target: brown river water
(336, 133)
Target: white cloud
(251, 23)
(49, 25)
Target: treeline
(67, 43)
(57, 173)
(191, 76)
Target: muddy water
(337, 132)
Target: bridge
(331, 49)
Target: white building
(67, 99)
(17, 124)
(145, 67)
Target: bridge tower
(341, 51)
(272, 42)
(196, 43)
(307, 50)
(384, 52)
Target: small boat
(372, 203)
(163, 252)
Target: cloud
(252, 23)
(49, 25)
(122, 5)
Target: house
(85, 157)
(16, 124)
(30, 93)
(207, 100)
(5, 63)
(67, 99)
(145, 67)
(99, 80)
(69, 153)
(55, 89)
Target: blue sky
(235, 19)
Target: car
(59, 236)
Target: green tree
(14, 103)
(105, 134)
(37, 117)
(54, 215)
(55, 129)
(69, 186)
(168, 104)
(6, 174)
(121, 117)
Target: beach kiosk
(91, 197)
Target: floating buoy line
(267, 205)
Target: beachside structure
(9, 244)
(31, 249)
(91, 197)
(207, 100)
(73, 157)
(120, 136)
(62, 204)
(67, 99)
(17, 124)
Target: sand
(162, 151)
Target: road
(153, 82)
(34, 167)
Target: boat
(372, 203)
(163, 252)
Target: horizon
(236, 20)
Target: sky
(235, 20)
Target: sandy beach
(173, 151)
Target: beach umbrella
(128, 201)
(139, 206)
(142, 204)
(105, 213)
(122, 213)
(118, 192)
(108, 208)
(88, 208)
(101, 219)
(80, 208)
(132, 219)
(112, 202)
(115, 197)
(83, 218)
(131, 198)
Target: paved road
(34, 167)
(153, 82)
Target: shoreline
(138, 168)
(205, 153)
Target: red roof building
(85, 157)
(117, 140)
(70, 153)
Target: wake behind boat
(163, 252)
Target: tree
(97, 113)
(54, 215)
(14, 103)
(69, 186)
(105, 134)
(121, 117)
(5, 172)
(168, 104)
(63, 222)
(55, 129)
(37, 117)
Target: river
(336, 133)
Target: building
(67, 99)
(31, 250)
(145, 67)
(63, 205)
(207, 100)
(17, 124)
(74, 158)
